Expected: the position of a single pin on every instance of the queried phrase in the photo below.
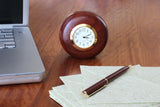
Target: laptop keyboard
(7, 39)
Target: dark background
(11, 11)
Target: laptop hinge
(6, 27)
(11, 26)
(20, 26)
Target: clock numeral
(76, 40)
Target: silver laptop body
(20, 61)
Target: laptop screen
(11, 11)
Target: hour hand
(85, 37)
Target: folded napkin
(138, 87)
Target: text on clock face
(84, 37)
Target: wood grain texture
(134, 38)
(83, 17)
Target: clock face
(83, 36)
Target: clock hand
(86, 36)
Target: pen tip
(84, 93)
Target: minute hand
(88, 34)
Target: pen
(103, 83)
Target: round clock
(83, 34)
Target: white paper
(69, 101)
(146, 78)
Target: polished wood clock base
(97, 25)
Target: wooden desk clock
(83, 34)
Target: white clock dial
(84, 37)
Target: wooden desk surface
(134, 38)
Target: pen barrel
(95, 88)
(103, 83)
(117, 74)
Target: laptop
(20, 61)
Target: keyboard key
(9, 35)
(2, 36)
(7, 31)
(10, 46)
(7, 40)
(9, 43)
